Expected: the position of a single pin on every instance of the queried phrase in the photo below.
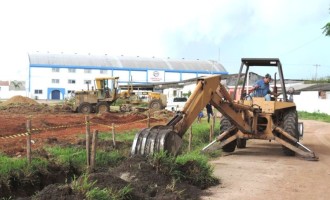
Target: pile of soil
(146, 183)
(19, 100)
(24, 105)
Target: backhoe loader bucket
(156, 139)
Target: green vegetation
(125, 136)
(86, 187)
(109, 193)
(314, 116)
(326, 29)
(190, 167)
(16, 166)
(200, 135)
(75, 156)
(318, 81)
(195, 169)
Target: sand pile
(19, 100)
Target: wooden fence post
(93, 153)
(211, 128)
(113, 136)
(190, 139)
(148, 121)
(88, 129)
(28, 141)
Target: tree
(326, 29)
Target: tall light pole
(316, 66)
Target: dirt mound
(19, 100)
(118, 117)
(146, 183)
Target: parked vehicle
(176, 104)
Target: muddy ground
(58, 121)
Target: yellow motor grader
(97, 99)
(243, 118)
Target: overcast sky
(221, 30)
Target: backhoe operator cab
(99, 98)
(242, 119)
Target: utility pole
(316, 66)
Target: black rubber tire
(102, 107)
(85, 108)
(290, 125)
(224, 125)
(241, 143)
(155, 104)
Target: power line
(301, 46)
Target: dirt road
(261, 171)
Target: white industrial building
(56, 76)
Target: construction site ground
(258, 172)
(261, 171)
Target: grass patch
(74, 156)
(125, 136)
(86, 187)
(194, 168)
(314, 116)
(15, 166)
(190, 167)
(200, 136)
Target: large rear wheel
(85, 108)
(290, 125)
(155, 104)
(224, 125)
(102, 107)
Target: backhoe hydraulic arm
(168, 137)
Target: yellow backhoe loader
(243, 118)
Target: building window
(87, 82)
(87, 71)
(37, 91)
(72, 70)
(103, 71)
(55, 69)
(71, 81)
(70, 91)
(55, 80)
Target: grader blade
(155, 139)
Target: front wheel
(224, 125)
(102, 107)
(85, 108)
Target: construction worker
(209, 111)
(261, 88)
